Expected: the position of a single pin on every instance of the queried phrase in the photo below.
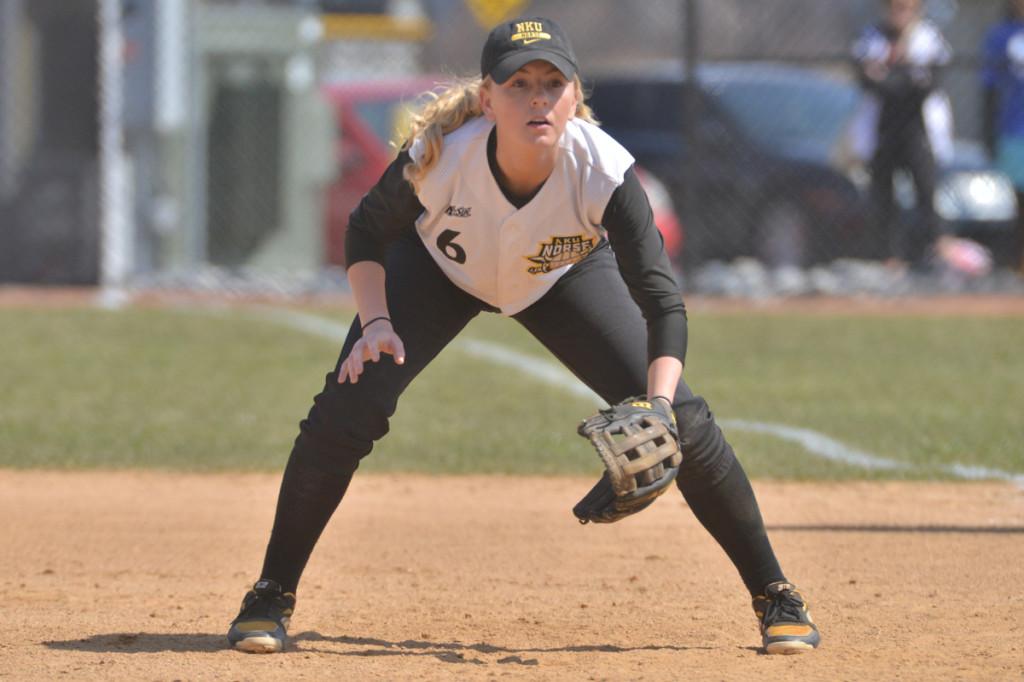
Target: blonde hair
(449, 108)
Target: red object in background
(366, 115)
(370, 114)
(665, 216)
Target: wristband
(376, 319)
(671, 408)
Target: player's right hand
(876, 71)
(377, 338)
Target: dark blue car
(765, 171)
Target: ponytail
(446, 111)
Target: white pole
(115, 189)
(171, 35)
(10, 12)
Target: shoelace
(785, 607)
(261, 606)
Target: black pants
(909, 149)
(1017, 241)
(588, 321)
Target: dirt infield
(136, 575)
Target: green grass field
(202, 391)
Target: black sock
(305, 504)
(730, 513)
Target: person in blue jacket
(1003, 82)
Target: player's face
(902, 13)
(533, 106)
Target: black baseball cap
(514, 44)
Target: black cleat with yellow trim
(262, 624)
(786, 625)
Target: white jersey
(505, 256)
(926, 48)
(924, 44)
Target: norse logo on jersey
(559, 252)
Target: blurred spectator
(1003, 81)
(907, 121)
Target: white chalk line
(816, 444)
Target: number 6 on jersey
(446, 242)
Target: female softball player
(508, 198)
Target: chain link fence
(206, 143)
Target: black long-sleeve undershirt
(391, 208)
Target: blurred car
(767, 166)
(370, 116)
(372, 119)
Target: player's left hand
(638, 441)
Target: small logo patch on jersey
(559, 252)
(459, 211)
